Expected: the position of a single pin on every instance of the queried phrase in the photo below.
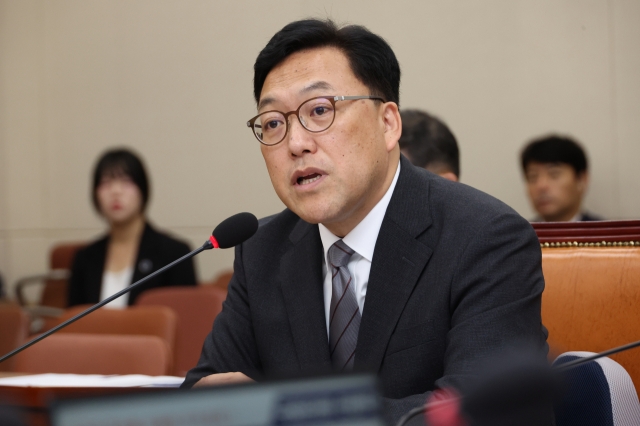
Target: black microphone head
(517, 387)
(235, 230)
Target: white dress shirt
(362, 240)
(113, 282)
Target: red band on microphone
(443, 408)
(214, 242)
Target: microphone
(515, 386)
(520, 384)
(229, 233)
(233, 230)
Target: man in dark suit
(375, 265)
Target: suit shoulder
(90, 256)
(165, 240)
(274, 230)
(278, 224)
(467, 207)
(461, 215)
(590, 217)
(94, 247)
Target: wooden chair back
(61, 257)
(14, 323)
(158, 321)
(196, 309)
(221, 281)
(78, 353)
(591, 300)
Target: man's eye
(272, 125)
(320, 110)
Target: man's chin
(547, 211)
(315, 216)
(313, 219)
(550, 216)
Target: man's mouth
(305, 180)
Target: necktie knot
(339, 254)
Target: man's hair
(120, 162)
(371, 59)
(428, 141)
(555, 149)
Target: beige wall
(173, 80)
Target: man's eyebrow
(317, 85)
(554, 164)
(264, 102)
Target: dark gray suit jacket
(455, 275)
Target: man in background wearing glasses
(375, 265)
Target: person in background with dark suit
(375, 265)
(132, 248)
(3, 293)
(428, 143)
(557, 177)
(11, 416)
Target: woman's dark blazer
(155, 251)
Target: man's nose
(542, 184)
(300, 140)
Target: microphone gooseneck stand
(206, 246)
(576, 362)
(230, 232)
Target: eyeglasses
(315, 115)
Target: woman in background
(132, 248)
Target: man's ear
(583, 181)
(392, 124)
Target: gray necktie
(344, 318)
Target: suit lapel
(301, 283)
(398, 261)
(95, 271)
(143, 265)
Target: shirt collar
(577, 218)
(362, 239)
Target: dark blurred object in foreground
(10, 416)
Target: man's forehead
(325, 69)
(306, 89)
(547, 165)
(536, 167)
